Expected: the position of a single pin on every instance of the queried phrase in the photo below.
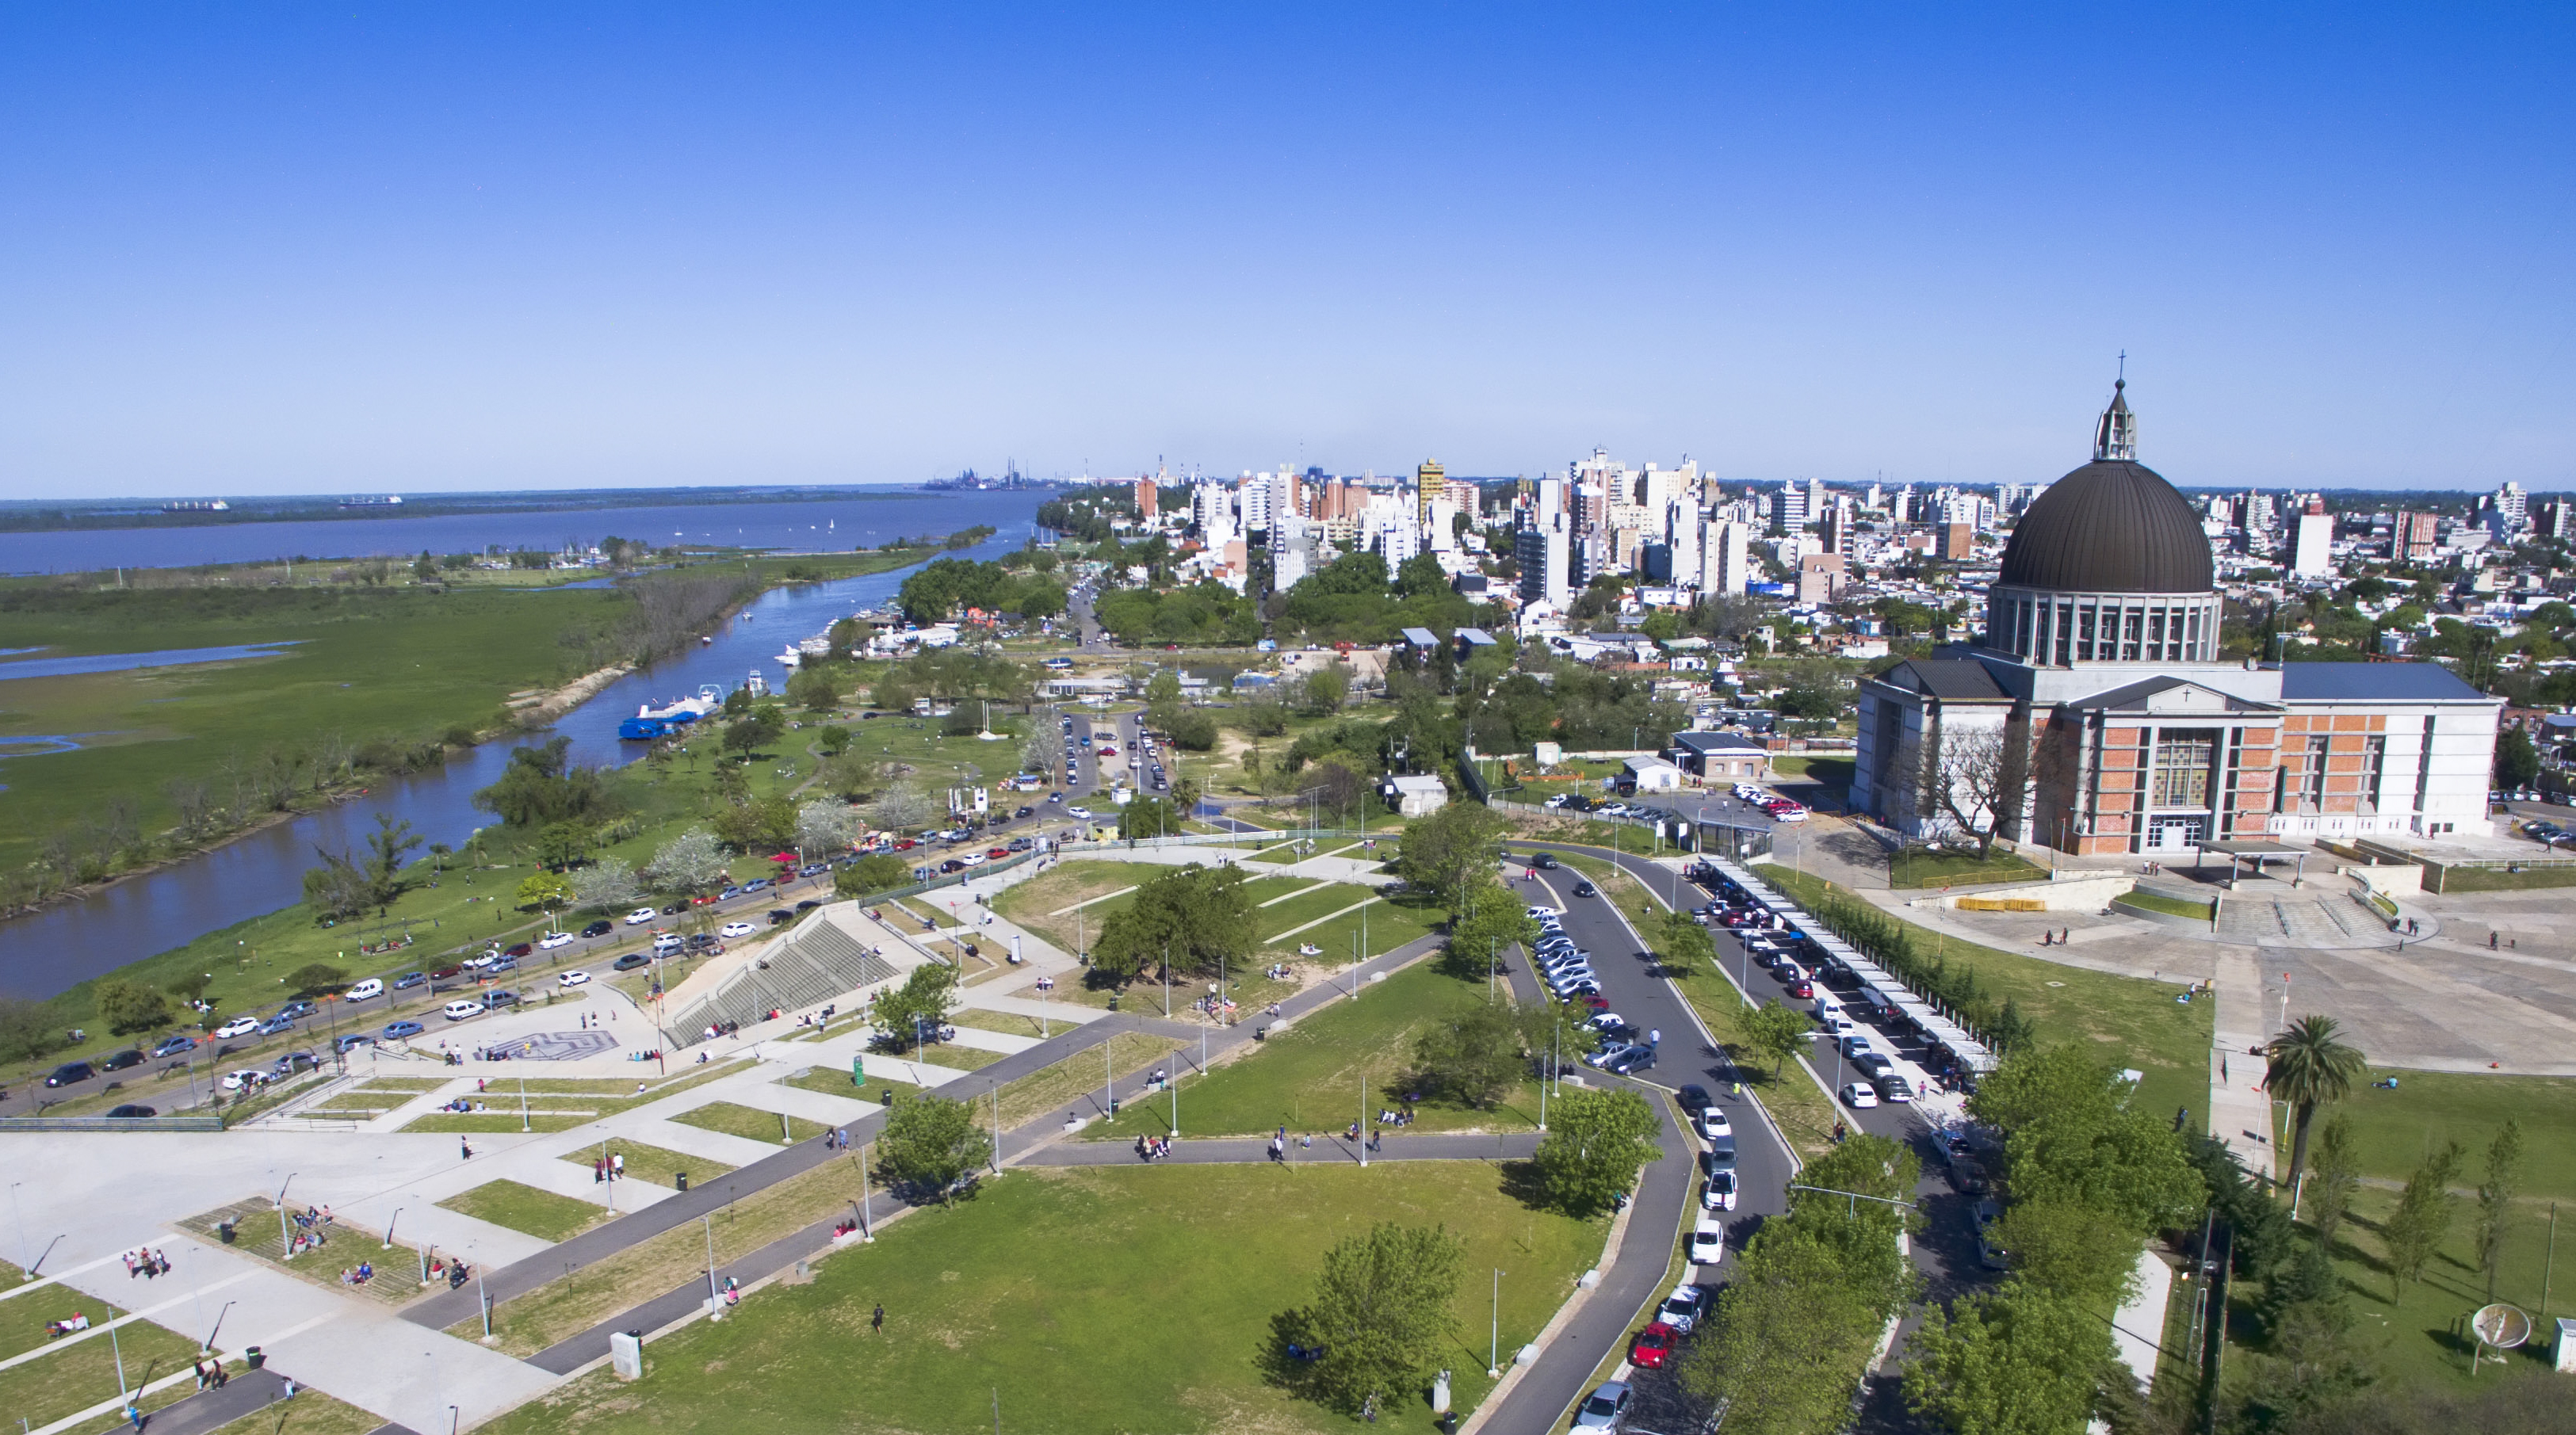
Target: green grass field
(1320, 1073)
(525, 1209)
(2415, 1338)
(1945, 869)
(2398, 1128)
(2129, 1022)
(750, 1123)
(835, 1081)
(651, 1164)
(1148, 1308)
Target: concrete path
(2239, 1113)
(2138, 1329)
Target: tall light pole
(715, 1299)
(1494, 1352)
(26, 1253)
(219, 1325)
(389, 1230)
(284, 1241)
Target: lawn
(750, 1123)
(1274, 923)
(1150, 1312)
(1916, 868)
(653, 1165)
(2131, 1023)
(310, 1413)
(2397, 1128)
(835, 1081)
(1083, 1073)
(525, 1209)
(1335, 1060)
(955, 1058)
(2159, 902)
(71, 1378)
(1033, 903)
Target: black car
(1025, 812)
(675, 909)
(408, 980)
(70, 1072)
(1544, 861)
(629, 962)
(780, 916)
(599, 929)
(1694, 1098)
(131, 1112)
(1586, 889)
(122, 1060)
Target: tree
(1777, 1032)
(1595, 1144)
(1147, 817)
(2517, 761)
(691, 864)
(2331, 1182)
(129, 1006)
(834, 740)
(1490, 920)
(901, 808)
(1042, 752)
(2415, 1230)
(876, 872)
(1199, 916)
(1382, 1315)
(2308, 1065)
(1976, 777)
(339, 887)
(561, 844)
(2070, 1137)
(902, 1014)
(816, 687)
(1326, 688)
(545, 890)
(1193, 731)
(542, 785)
(1687, 947)
(2021, 1361)
(760, 824)
(825, 827)
(27, 1029)
(1473, 1055)
(315, 978)
(1440, 853)
(2069, 1250)
(609, 882)
(2495, 1198)
(931, 1145)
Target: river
(44, 952)
(801, 523)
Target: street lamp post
(1494, 1351)
(219, 1325)
(284, 1241)
(389, 1230)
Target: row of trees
(1897, 947)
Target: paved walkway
(2138, 1329)
(2239, 1114)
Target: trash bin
(224, 1230)
(255, 1357)
(1113, 1000)
(682, 1177)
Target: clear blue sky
(293, 249)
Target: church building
(2095, 715)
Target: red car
(1802, 990)
(906, 845)
(999, 853)
(521, 950)
(443, 973)
(702, 901)
(1654, 1346)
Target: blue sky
(293, 249)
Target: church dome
(2112, 526)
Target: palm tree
(2309, 1066)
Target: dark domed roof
(2112, 526)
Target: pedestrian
(464, 1149)
(134, 1413)
(876, 1322)
(617, 1167)
(598, 1170)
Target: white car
(1708, 1241)
(974, 859)
(736, 929)
(371, 987)
(1541, 914)
(480, 960)
(1082, 812)
(238, 1026)
(573, 979)
(1681, 1309)
(244, 1080)
(552, 940)
(1859, 1097)
(1607, 1021)
(460, 1010)
(640, 916)
(1717, 1193)
(1713, 1124)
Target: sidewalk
(2239, 1114)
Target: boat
(790, 658)
(651, 723)
(705, 641)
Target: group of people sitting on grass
(58, 1328)
(365, 1272)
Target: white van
(460, 1010)
(371, 987)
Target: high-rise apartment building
(1430, 484)
(2312, 541)
(1724, 561)
(1146, 490)
(2415, 538)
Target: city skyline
(422, 253)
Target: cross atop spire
(2116, 436)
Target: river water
(47, 951)
(823, 522)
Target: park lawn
(2457, 880)
(71, 1378)
(497, 1122)
(1151, 1312)
(1335, 1060)
(1081, 1074)
(310, 1413)
(835, 1081)
(2159, 902)
(2412, 1340)
(407, 1085)
(610, 1286)
(1274, 923)
(1947, 869)
(527, 1210)
(751, 1123)
(955, 1058)
(1035, 903)
(360, 1104)
(653, 1165)
(1006, 1023)
(2130, 1023)
(2397, 1128)
(1391, 922)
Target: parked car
(1708, 1241)
(600, 928)
(498, 998)
(130, 1057)
(521, 949)
(460, 1010)
(443, 973)
(1681, 1310)
(1713, 1125)
(1636, 1057)
(131, 1112)
(573, 979)
(238, 1026)
(1653, 1346)
(297, 1010)
(397, 1030)
(1859, 1097)
(175, 1044)
(69, 1073)
(1717, 1193)
(1895, 1090)
(351, 1041)
(1606, 1408)
(243, 1080)
(408, 980)
(641, 916)
(551, 940)
(630, 962)
(371, 987)
(277, 1026)
(731, 930)
(780, 916)
(295, 1061)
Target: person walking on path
(464, 1149)
(876, 1322)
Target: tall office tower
(1682, 525)
(1591, 505)
(1397, 540)
(1212, 509)
(2258, 513)
(1292, 551)
(1551, 500)
(1430, 483)
(1658, 487)
(1544, 553)
(1589, 557)
(1467, 499)
(2416, 537)
(2554, 518)
(1440, 533)
(2008, 498)
(2312, 542)
(1904, 505)
(2510, 501)
(1789, 511)
(1815, 500)
(1723, 562)
(1146, 490)
(1838, 524)
(1870, 498)
(1252, 500)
